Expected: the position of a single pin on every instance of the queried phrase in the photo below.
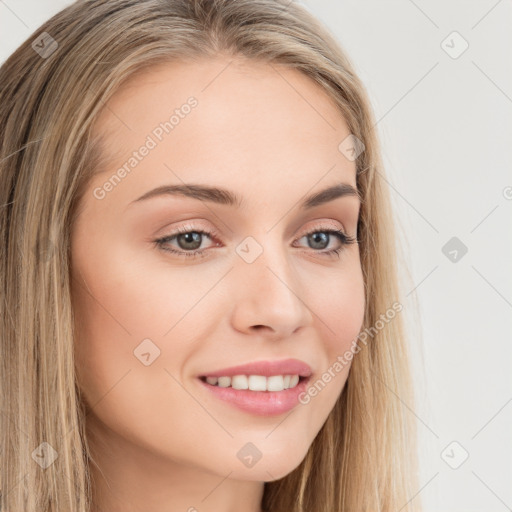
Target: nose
(268, 296)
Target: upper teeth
(255, 382)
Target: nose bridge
(271, 290)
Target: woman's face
(151, 319)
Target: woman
(260, 368)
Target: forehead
(253, 125)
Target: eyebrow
(226, 197)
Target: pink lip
(265, 368)
(263, 403)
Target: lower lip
(263, 403)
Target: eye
(189, 241)
(324, 239)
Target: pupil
(193, 238)
(323, 239)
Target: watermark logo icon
(455, 455)
(351, 147)
(45, 455)
(454, 45)
(249, 455)
(146, 352)
(44, 250)
(45, 45)
(454, 249)
(249, 249)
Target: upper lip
(265, 368)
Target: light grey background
(445, 122)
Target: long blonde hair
(53, 87)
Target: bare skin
(160, 440)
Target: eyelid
(187, 227)
(313, 225)
(325, 223)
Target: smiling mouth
(256, 383)
(268, 396)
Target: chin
(269, 468)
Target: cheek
(143, 404)
(121, 299)
(124, 293)
(115, 317)
(339, 303)
(343, 313)
(337, 300)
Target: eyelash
(201, 253)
